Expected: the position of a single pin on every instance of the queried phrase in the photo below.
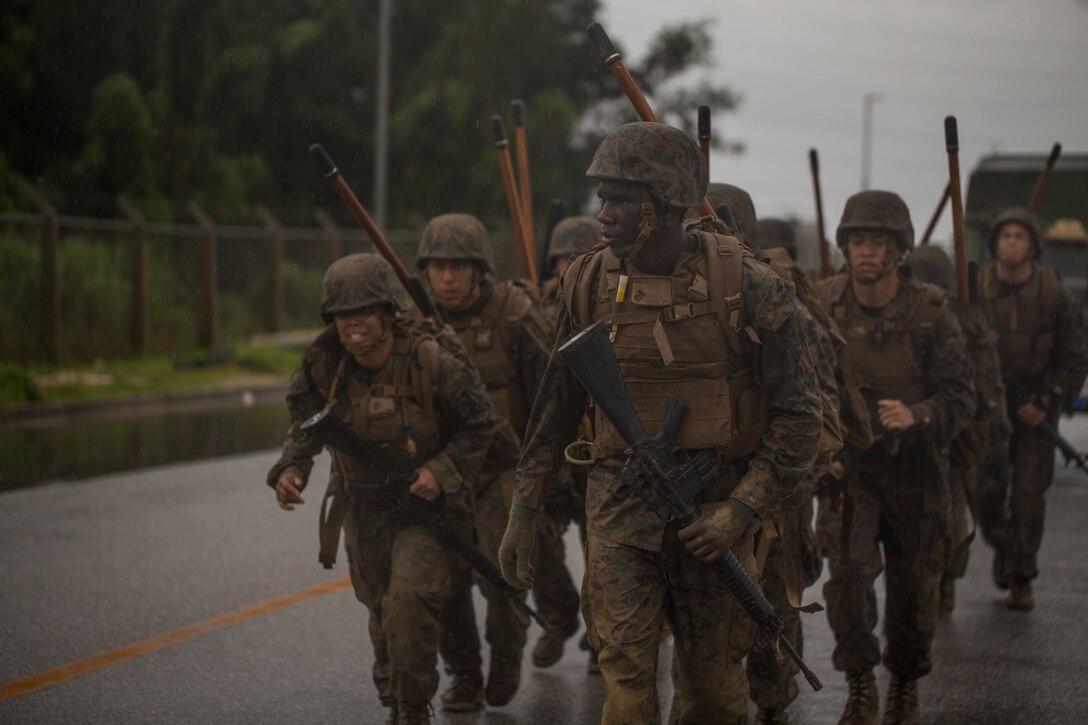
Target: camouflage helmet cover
(775, 232)
(1020, 216)
(931, 265)
(740, 204)
(455, 236)
(361, 280)
(574, 235)
(877, 211)
(665, 159)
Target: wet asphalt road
(91, 566)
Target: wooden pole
(528, 264)
(952, 145)
(936, 216)
(825, 250)
(137, 330)
(521, 147)
(274, 299)
(1044, 177)
(207, 324)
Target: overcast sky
(1014, 73)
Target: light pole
(867, 102)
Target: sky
(1014, 73)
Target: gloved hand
(516, 549)
(718, 528)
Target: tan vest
(880, 349)
(682, 335)
(490, 337)
(1024, 320)
(397, 407)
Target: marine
(691, 314)
(906, 353)
(413, 397)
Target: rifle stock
(614, 61)
(675, 474)
(825, 251)
(411, 282)
(952, 145)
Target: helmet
(877, 211)
(361, 280)
(930, 264)
(455, 236)
(574, 235)
(665, 159)
(774, 232)
(1020, 216)
(740, 204)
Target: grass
(152, 374)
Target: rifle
(614, 61)
(1044, 176)
(704, 135)
(411, 282)
(556, 211)
(825, 251)
(507, 166)
(521, 146)
(328, 429)
(1017, 395)
(677, 475)
(936, 215)
(952, 145)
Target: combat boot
(1020, 597)
(772, 716)
(902, 705)
(503, 679)
(465, 693)
(863, 702)
(414, 714)
(549, 648)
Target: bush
(16, 385)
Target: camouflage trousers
(402, 574)
(888, 511)
(553, 589)
(505, 624)
(1012, 500)
(628, 594)
(793, 560)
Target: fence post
(274, 300)
(333, 238)
(138, 268)
(207, 329)
(50, 275)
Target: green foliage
(217, 100)
(16, 385)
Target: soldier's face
(359, 330)
(453, 282)
(621, 212)
(871, 254)
(1013, 244)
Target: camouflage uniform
(639, 573)
(1041, 340)
(425, 407)
(507, 340)
(740, 206)
(911, 350)
(990, 425)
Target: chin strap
(648, 223)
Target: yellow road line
(51, 677)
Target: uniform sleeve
(299, 449)
(469, 417)
(790, 388)
(553, 422)
(949, 381)
(1070, 359)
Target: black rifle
(676, 474)
(329, 430)
(1017, 396)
